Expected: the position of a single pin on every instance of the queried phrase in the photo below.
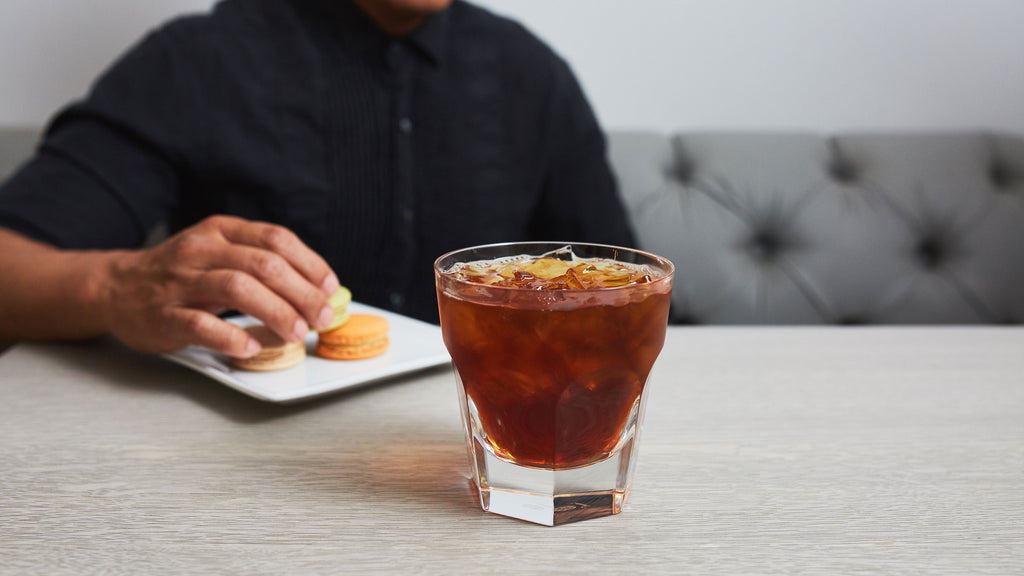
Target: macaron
(362, 336)
(339, 303)
(275, 353)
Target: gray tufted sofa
(16, 145)
(777, 228)
(800, 228)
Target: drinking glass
(552, 345)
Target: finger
(240, 291)
(276, 273)
(191, 326)
(284, 242)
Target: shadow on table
(419, 464)
(429, 478)
(114, 365)
(412, 469)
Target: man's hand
(165, 298)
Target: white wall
(791, 64)
(51, 50)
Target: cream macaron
(275, 353)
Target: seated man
(290, 144)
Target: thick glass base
(552, 497)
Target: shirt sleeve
(105, 173)
(580, 199)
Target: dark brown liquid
(553, 386)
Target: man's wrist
(101, 287)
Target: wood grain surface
(765, 451)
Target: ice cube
(545, 268)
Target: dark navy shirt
(381, 153)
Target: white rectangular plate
(415, 345)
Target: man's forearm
(164, 298)
(49, 294)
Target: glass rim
(669, 267)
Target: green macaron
(339, 303)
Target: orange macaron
(362, 336)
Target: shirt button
(394, 55)
(405, 125)
(397, 299)
(408, 215)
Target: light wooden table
(766, 451)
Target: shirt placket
(401, 67)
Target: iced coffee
(552, 347)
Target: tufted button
(842, 171)
(682, 170)
(682, 167)
(1000, 175)
(685, 318)
(764, 246)
(931, 252)
(851, 320)
(839, 168)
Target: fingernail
(330, 285)
(326, 318)
(252, 347)
(300, 330)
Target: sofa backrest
(16, 145)
(800, 228)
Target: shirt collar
(358, 32)
(431, 37)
